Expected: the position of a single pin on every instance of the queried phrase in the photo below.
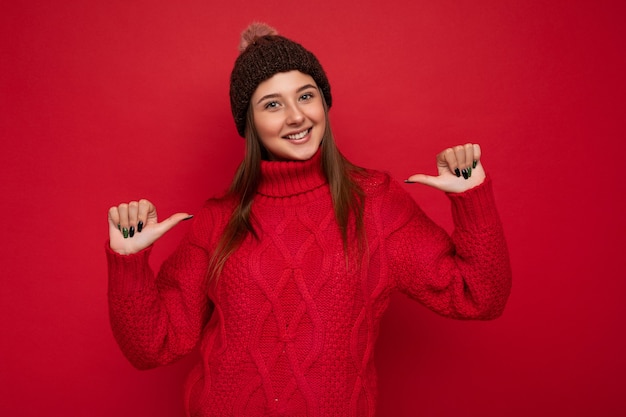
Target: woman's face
(289, 116)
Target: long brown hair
(346, 194)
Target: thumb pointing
(422, 179)
(172, 221)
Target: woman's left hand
(459, 170)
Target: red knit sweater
(290, 327)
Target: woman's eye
(306, 96)
(271, 105)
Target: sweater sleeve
(466, 275)
(156, 320)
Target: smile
(300, 135)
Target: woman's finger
(123, 221)
(172, 221)
(477, 153)
(469, 158)
(469, 154)
(133, 209)
(114, 217)
(461, 159)
(145, 208)
(446, 161)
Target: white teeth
(299, 135)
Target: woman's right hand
(134, 226)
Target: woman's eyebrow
(274, 95)
(304, 87)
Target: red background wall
(103, 102)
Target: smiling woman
(284, 280)
(289, 117)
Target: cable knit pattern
(290, 327)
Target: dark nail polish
(474, 164)
(139, 227)
(125, 232)
(119, 227)
(464, 172)
(457, 172)
(469, 172)
(188, 217)
(131, 232)
(409, 182)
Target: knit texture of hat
(263, 54)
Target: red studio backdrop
(103, 102)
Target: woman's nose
(294, 115)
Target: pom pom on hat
(263, 53)
(253, 32)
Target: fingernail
(474, 163)
(188, 217)
(457, 172)
(469, 172)
(125, 232)
(139, 227)
(464, 172)
(131, 232)
(409, 182)
(119, 227)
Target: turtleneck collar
(290, 178)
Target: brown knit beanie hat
(264, 53)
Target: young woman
(283, 281)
